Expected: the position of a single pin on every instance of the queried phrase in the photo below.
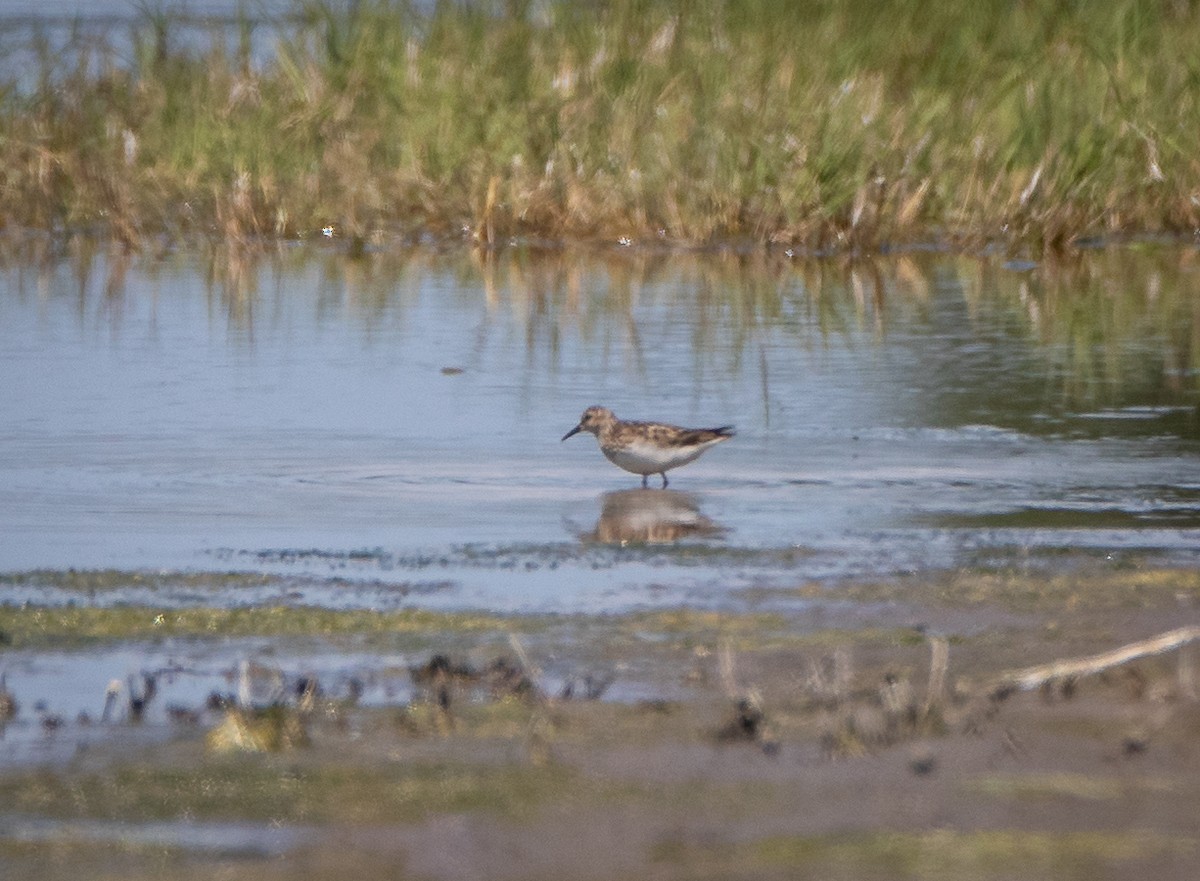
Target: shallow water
(383, 433)
(214, 840)
(125, 10)
(396, 419)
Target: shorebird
(647, 448)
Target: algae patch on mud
(79, 624)
(1066, 785)
(253, 789)
(947, 854)
(33, 626)
(100, 580)
(1049, 587)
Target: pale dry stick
(244, 686)
(911, 206)
(1030, 678)
(749, 720)
(540, 732)
(725, 666)
(531, 672)
(733, 691)
(1187, 673)
(843, 673)
(489, 208)
(939, 664)
(522, 656)
(830, 680)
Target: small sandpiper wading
(647, 448)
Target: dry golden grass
(814, 126)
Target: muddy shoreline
(753, 745)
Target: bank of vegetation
(818, 126)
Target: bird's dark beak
(573, 431)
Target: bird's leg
(644, 477)
(664, 477)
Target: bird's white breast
(643, 457)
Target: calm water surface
(33, 11)
(393, 422)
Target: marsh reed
(817, 126)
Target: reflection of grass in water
(1108, 330)
(1102, 331)
(1115, 329)
(701, 120)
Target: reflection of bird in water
(651, 516)
(8, 703)
(647, 448)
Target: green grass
(819, 125)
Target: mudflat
(889, 736)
